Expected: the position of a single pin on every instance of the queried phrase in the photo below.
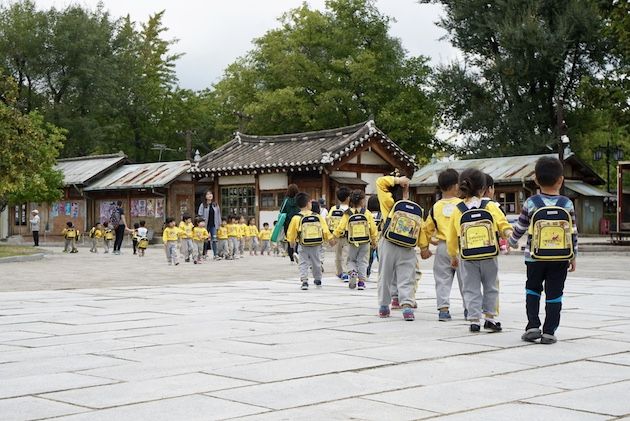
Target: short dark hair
(105, 224)
(355, 197)
(397, 192)
(185, 217)
(143, 223)
(447, 179)
(69, 224)
(302, 199)
(266, 224)
(198, 220)
(292, 190)
(373, 204)
(315, 206)
(489, 181)
(119, 203)
(343, 193)
(549, 169)
(169, 219)
(136, 225)
(472, 182)
(223, 219)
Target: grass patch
(10, 251)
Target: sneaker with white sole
(531, 335)
(304, 286)
(548, 339)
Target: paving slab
(33, 385)
(523, 412)
(31, 408)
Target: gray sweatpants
(341, 255)
(309, 257)
(233, 245)
(108, 245)
(188, 248)
(444, 273)
(396, 264)
(477, 275)
(264, 246)
(94, 245)
(198, 250)
(223, 248)
(358, 258)
(171, 252)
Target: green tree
(29, 151)
(327, 69)
(523, 63)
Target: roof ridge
(334, 132)
(102, 156)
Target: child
(143, 240)
(551, 249)
(472, 243)
(252, 242)
(315, 208)
(374, 207)
(436, 225)
(334, 218)
(359, 225)
(223, 248)
(108, 233)
(200, 236)
(311, 231)
(186, 226)
(170, 237)
(96, 233)
(401, 232)
(134, 237)
(233, 231)
(265, 239)
(242, 234)
(70, 235)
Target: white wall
(371, 158)
(343, 174)
(228, 180)
(4, 223)
(278, 181)
(268, 217)
(370, 178)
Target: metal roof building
(141, 176)
(82, 170)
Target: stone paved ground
(86, 337)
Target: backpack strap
(562, 201)
(462, 207)
(484, 203)
(432, 215)
(538, 201)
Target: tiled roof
(80, 170)
(248, 153)
(141, 176)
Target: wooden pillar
(619, 196)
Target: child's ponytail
(472, 182)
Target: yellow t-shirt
(438, 224)
(187, 229)
(200, 234)
(233, 230)
(501, 225)
(292, 232)
(222, 233)
(343, 225)
(171, 234)
(243, 231)
(252, 231)
(385, 198)
(69, 233)
(265, 234)
(96, 233)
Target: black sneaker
(492, 325)
(318, 283)
(304, 285)
(187, 260)
(474, 327)
(531, 335)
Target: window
(238, 200)
(508, 202)
(20, 214)
(271, 200)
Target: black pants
(373, 254)
(120, 236)
(134, 244)
(551, 277)
(36, 238)
(291, 251)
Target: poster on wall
(54, 210)
(134, 207)
(106, 210)
(74, 210)
(68, 208)
(151, 208)
(159, 208)
(142, 207)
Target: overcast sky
(213, 33)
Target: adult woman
(118, 222)
(210, 212)
(291, 209)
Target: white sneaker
(296, 258)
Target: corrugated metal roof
(586, 189)
(311, 149)
(82, 169)
(510, 169)
(141, 176)
(352, 181)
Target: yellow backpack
(358, 228)
(551, 231)
(334, 217)
(479, 239)
(311, 231)
(404, 223)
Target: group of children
(466, 227)
(102, 234)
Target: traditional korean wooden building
(249, 175)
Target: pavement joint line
(610, 416)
